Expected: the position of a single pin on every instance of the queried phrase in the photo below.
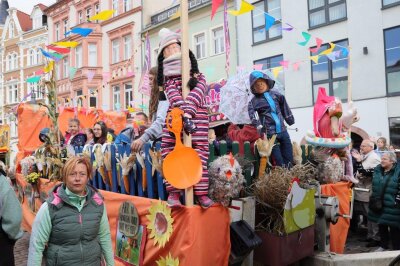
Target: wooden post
(349, 83)
(187, 141)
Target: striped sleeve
(173, 94)
(196, 97)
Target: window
(97, 8)
(116, 98)
(37, 20)
(13, 93)
(65, 68)
(79, 101)
(127, 5)
(31, 57)
(389, 3)
(218, 40)
(115, 51)
(92, 54)
(127, 47)
(38, 56)
(128, 94)
(8, 63)
(200, 45)
(88, 12)
(66, 27)
(93, 97)
(15, 61)
(115, 7)
(80, 17)
(34, 89)
(273, 8)
(324, 12)
(78, 56)
(271, 62)
(392, 60)
(11, 30)
(394, 131)
(57, 31)
(332, 75)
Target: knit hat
(260, 75)
(167, 37)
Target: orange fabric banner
(200, 237)
(339, 231)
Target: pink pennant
(318, 41)
(39, 72)
(258, 67)
(90, 75)
(296, 66)
(130, 74)
(284, 63)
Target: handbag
(376, 203)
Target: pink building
(104, 60)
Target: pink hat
(167, 37)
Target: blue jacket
(260, 105)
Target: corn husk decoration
(55, 167)
(140, 160)
(98, 155)
(126, 164)
(107, 163)
(264, 147)
(40, 161)
(297, 153)
(156, 161)
(86, 151)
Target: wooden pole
(349, 84)
(187, 141)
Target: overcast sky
(27, 5)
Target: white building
(370, 28)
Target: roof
(41, 6)
(3, 11)
(24, 20)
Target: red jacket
(247, 133)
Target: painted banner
(4, 138)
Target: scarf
(173, 65)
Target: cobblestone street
(21, 250)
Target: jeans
(7, 249)
(394, 235)
(282, 152)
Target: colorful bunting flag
(288, 27)
(258, 67)
(103, 15)
(334, 55)
(72, 71)
(269, 21)
(34, 79)
(276, 71)
(130, 74)
(284, 63)
(315, 58)
(318, 41)
(214, 7)
(306, 37)
(66, 44)
(90, 74)
(296, 66)
(59, 50)
(49, 55)
(39, 72)
(244, 8)
(345, 51)
(328, 51)
(81, 31)
(49, 67)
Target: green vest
(74, 236)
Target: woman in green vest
(72, 224)
(385, 187)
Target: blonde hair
(69, 166)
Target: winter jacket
(260, 105)
(10, 211)
(364, 174)
(79, 140)
(247, 133)
(390, 214)
(75, 229)
(154, 132)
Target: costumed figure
(195, 117)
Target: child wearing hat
(195, 118)
(268, 110)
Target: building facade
(372, 31)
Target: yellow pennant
(328, 51)
(66, 44)
(315, 58)
(49, 67)
(103, 15)
(244, 8)
(276, 70)
(176, 15)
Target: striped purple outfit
(194, 106)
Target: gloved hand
(188, 125)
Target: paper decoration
(49, 55)
(306, 37)
(130, 74)
(39, 72)
(288, 27)
(49, 67)
(81, 31)
(296, 66)
(318, 41)
(33, 79)
(60, 50)
(332, 56)
(103, 15)
(66, 44)
(56, 56)
(244, 8)
(344, 51)
(284, 63)
(269, 21)
(90, 74)
(160, 223)
(72, 71)
(315, 58)
(328, 51)
(258, 66)
(276, 70)
(168, 261)
(214, 7)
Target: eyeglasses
(80, 174)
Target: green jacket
(390, 214)
(10, 210)
(75, 229)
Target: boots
(205, 201)
(173, 200)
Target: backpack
(126, 136)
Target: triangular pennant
(276, 71)
(56, 56)
(318, 41)
(345, 51)
(49, 67)
(34, 79)
(103, 15)
(284, 63)
(315, 58)
(72, 71)
(269, 21)
(306, 37)
(130, 74)
(244, 8)
(39, 72)
(66, 44)
(90, 75)
(60, 50)
(258, 67)
(81, 31)
(288, 27)
(329, 50)
(48, 55)
(214, 7)
(296, 66)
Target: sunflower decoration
(160, 223)
(168, 261)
